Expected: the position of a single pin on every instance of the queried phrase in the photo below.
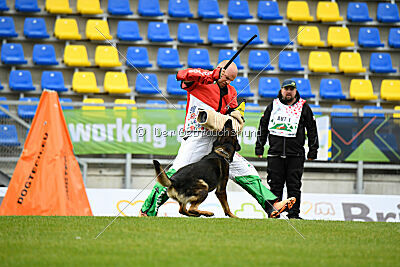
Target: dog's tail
(162, 178)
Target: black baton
(239, 51)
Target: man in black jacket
(284, 123)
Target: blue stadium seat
(137, 57)
(304, 87)
(3, 5)
(369, 115)
(278, 35)
(149, 8)
(12, 54)
(179, 9)
(331, 89)
(269, 87)
(259, 60)
(358, 12)
(168, 58)
(2, 114)
(290, 61)
(27, 6)
(147, 83)
(53, 80)
(158, 32)
(227, 54)
(44, 54)
(65, 100)
(239, 9)
(7, 27)
(318, 113)
(156, 102)
(387, 12)
(21, 80)
(174, 86)
(247, 31)
(252, 105)
(128, 31)
(369, 37)
(8, 135)
(219, 34)
(381, 63)
(394, 38)
(1, 86)
(119, 7)
(189, 33)
(209, 9)
(268, 10)
(199, 58)
(341, 114)
(27, 111)
(242, 87)
(35, 28)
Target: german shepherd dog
(192, 183)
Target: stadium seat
(317, 113)
(12, 54)
(298, 11)
(125, 102)
(168, 58)
(58, 6)
(268, 10)
(8, 135)
(35, 28)
(341, 114)
(155, 102)
(3, 5)
(65, 100)
(183, 103)
(67, 29)
(93, 101)
(1, 86)
(309, 36)
(146, 83)
(7, 27)
(350, 62)
(3, 115)
(209, 9)
(331, 89)
(278, 35)
(394, 38)
(361, 90)
(27, 6)
(227, 54)
(84, 82)
(290, 61)
(320, 62)
(174, 86)
(158, 32)
(242, 87)
(97, 29)
(88, 7)
(44, 54)
(259, 60)
(116, 83)
(246, 31)
(27, 111)
(252, 105)
(199, 58)
(106, 56)
(239, 9)
(189, 33)
(137, 57)
(339, 37)
(219, 34)
(21, 80)
(119, 7)
(149, 8)
(390, 90)
(381, 63)
(304, 87)
(269, 87)
(369, 37)
(396, 115)
(369, 115)
(179, 9)
(76, 56)
(53, 80)
(387, 12)
(358, 12)
(128, 31)
(328, 11)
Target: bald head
(229, 75)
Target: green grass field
(35, 241)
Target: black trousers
(287, 171)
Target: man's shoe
(282, 206)
(142, 214)
(295, 217)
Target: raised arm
(189, 76)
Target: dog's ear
(237, 146)
(228, 126)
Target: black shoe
(295, 217)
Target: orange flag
(47, 179)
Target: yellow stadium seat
(124, 101)
(309, 36)
(84, 82)
(320, 62)
(362, 90)
(396, 115)
(67, 29)
(97, 29)
(350, 62)
(88, 7)
(339, 37)
(116, 83)
(106, 56)
(298, 11)
(58, 6)
(390, 90)
(328, 11)
(76, 56)
(93, 101)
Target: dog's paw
(207, 213)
